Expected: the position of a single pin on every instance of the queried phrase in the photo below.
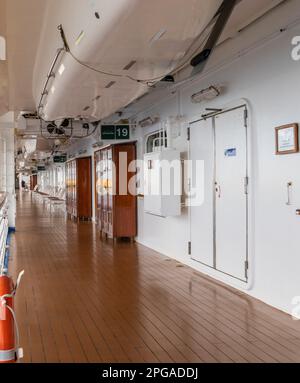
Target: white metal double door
(219, 226)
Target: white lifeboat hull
(130, 39)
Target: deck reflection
(86, 300)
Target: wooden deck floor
(83, 300)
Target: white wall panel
(268, 79)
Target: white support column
(7, 166)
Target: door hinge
(246, 269)
(246, 117)
(189, 185)
(246, 185)
(190, 248)
(188, 133)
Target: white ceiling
(122, 34)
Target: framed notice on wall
(287, 139)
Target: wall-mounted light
(148, 121)
(207, 94)
(98, 144)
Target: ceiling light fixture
(2, 48)
(207, 94)
(149, 121)
(79, 38)
(61, 69)
(158, 36)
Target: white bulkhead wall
(268, 79)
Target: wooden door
(98, 188)
(68, 188)
(110, 191)
(125, 203)
(74, 188)
(104, 199)
(84, 188)
(33, 181)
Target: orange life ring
(7, 327)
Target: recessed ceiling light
(61, 69)
(2, 48)
(158, 35)
(79, 38)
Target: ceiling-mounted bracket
(225, 11)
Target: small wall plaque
(287, 139)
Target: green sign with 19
(115, 132)
(122, 132)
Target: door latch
(218, 189)
(246, 185)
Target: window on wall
(155, 141)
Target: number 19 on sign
(115, 132)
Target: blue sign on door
(230, 152)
